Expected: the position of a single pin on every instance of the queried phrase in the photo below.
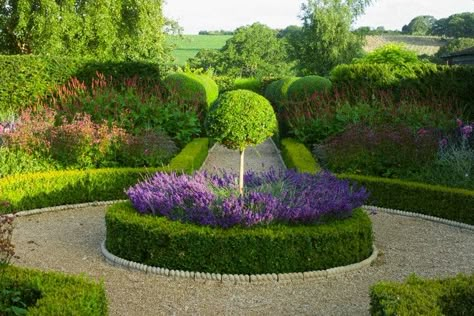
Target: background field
(187, 46)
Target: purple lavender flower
(272, 196)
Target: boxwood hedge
(449, 203)
(415, 296)
(55, 293)
(158, 241)
(36, 190)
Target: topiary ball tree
(241, 118)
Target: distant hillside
(187, 46)
(428, 45)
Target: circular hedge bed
(277, 248)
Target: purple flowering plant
(271, 197)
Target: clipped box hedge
(297, 156)
(37, 190)
(158, 241)
(58, 294)
(25, 77)
(415, 296)
(444, 202)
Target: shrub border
(101, 184)
(293, 153)
(86, 288)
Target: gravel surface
(69, 241)
(259, 158)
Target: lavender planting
(270, 197)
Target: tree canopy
(326, 39)
(456, 25)
(253, 51)
(102, 29)
(420, 25)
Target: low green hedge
(415, 296)
(57, 294)
(449, 203)
(297, 156)
(36, 190)
(158, 241)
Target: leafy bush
(307, 87)
(422, 82)
(49, 293)
(297, 156)
(454, 165)
(415, 296)
(386, 150)
(81, 143)
(240, 118)
(271, 197)
(131, 103)
(26, 77)
(30, 191)
(314, 120)
(455, 45)
(393, 54)
(187, 88)
(277, 91)
(16, 161)
(252, 84)
(158, 241)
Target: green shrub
(433, 200)
(448, 85)
(51, 293)
(252, 84)
(415, 296)
(192, 88)
(241, 118)
(277, 91)
(29, 191)
(439, 201)
(297, 156)
(158, 241)
(26, 77)
(304, 88)
(225, 83)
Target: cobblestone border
(236, 278)
(418, 215)
(245, 278)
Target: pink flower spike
(459, 122)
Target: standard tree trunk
(241, 178)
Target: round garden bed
(276, 248)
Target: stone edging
(237, 278)
(418, 215)
(366, 207)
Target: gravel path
(69, 241)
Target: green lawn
(187, 46)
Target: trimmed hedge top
(304, 88)
(193, 88)
(241, 118)
(58, 294)
(415, 296)
(158, 241)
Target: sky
(197, 15)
